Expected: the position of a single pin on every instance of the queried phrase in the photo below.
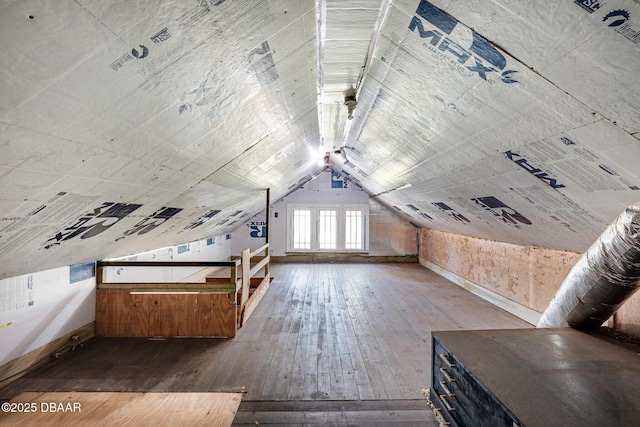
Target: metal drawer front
(463, 398)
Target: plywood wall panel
(549, 268)
(112, 319)
(122, 312)
(139, 315)
(187, 309)
(101, 312)
(224, 316)
(204, 316)
(627, 318)
(527, 275)
(163, 315)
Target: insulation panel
(128, 126)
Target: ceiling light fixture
(350, 101)
(328, 165)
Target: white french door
(327, 229)
(330, 228)
(301, 226)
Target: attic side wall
(37, 312)
(627, 318)
(40, 311)
(389, 233)
(526, 275)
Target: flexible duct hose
(606, 275)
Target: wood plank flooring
(102, 409)
(348, 333)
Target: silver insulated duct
(606, 275)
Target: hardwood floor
(345, 333)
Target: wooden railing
(118, 302)
(248, 272)
(248, 302)
(231, 286)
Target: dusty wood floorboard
(374, 367)
(348, 360)
(306, 346)
(337, 413)
(405, 343)
(326, 332)
(359, 373)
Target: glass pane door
(302, 229)
(353, 229)
(327, 229)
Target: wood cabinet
(215, 307)
(122, 313)
(534, 377)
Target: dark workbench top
(554, 377)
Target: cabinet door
(204, 315)
(163, 315)
(139, 315)
(113, 313)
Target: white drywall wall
(37, 308)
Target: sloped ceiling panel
(127, 126)
(502, 120)
(346, 29)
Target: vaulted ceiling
(131, 125)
